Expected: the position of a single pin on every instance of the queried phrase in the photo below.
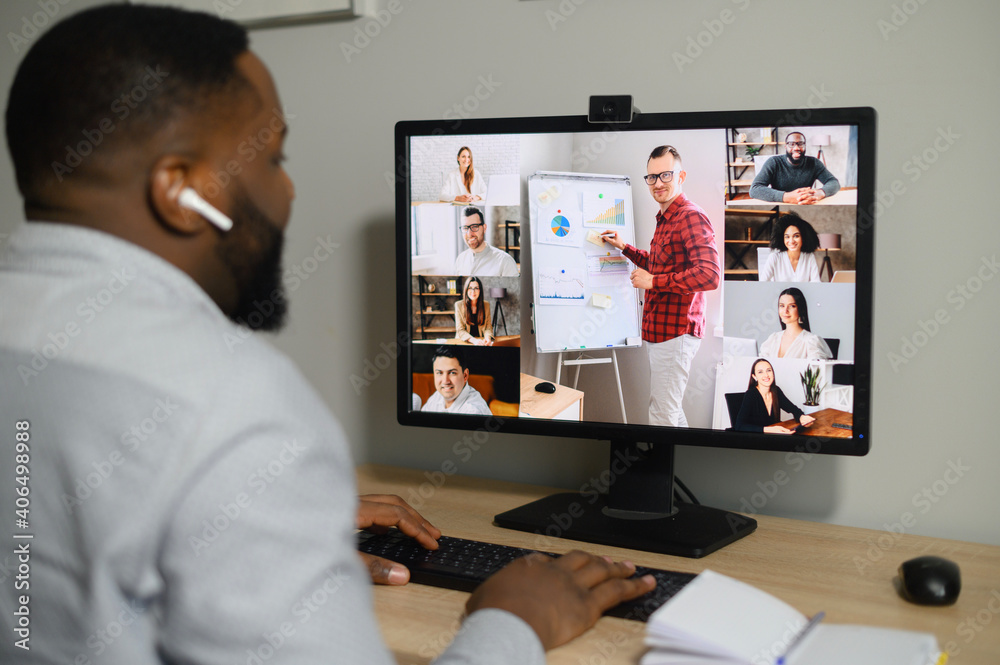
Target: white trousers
(669, 369)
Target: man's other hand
(642, 279)
(560, 598)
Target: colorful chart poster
(560, 225)
(601, 210)
(609, 269)
(561, 286)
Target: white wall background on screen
(432, 158)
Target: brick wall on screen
(434, 156)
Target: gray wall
(932, 75)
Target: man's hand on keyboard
(378, 512)
(560, 598)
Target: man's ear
(170, 175)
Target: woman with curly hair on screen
(792, 259)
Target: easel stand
(581, 360)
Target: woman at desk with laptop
(763, 402)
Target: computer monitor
(540, 291)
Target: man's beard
(796, 162)
(252, 252)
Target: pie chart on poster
(560, 226)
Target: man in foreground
(224, 533)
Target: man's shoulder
(475, 403)
(433, 403)
(501, 255)
(813, 164)
(463, 257)
(684, 209)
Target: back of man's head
(114, 76)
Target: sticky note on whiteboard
(549, 195)
(601, 300)
(595, 237)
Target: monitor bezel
(863, 117)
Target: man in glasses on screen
(681, 264)
(481, 259)
(789, 178)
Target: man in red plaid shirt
(681, 264)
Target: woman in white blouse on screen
(792, 258)
(795, 340)
(465, 184)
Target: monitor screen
(695, 279)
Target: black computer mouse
(545, 387)
(930, 580)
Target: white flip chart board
(583, 298)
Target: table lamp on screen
(828, 242)
(821, 141)
(498, 293)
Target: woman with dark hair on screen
(465, 184)
(792, 259)
(763, 402)
(795, 339)
(472, 315)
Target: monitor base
(691, 530)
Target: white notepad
(719, 620)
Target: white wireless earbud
(189, 199)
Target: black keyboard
(464, 564)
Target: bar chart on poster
(583, 297)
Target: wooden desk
(825, 418)
(845, 197)
(499, 340)
(564, 404)
(845, 571)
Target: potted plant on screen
(811, 385)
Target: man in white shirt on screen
(481, 259)
(451, 381)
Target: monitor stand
(637, 512)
